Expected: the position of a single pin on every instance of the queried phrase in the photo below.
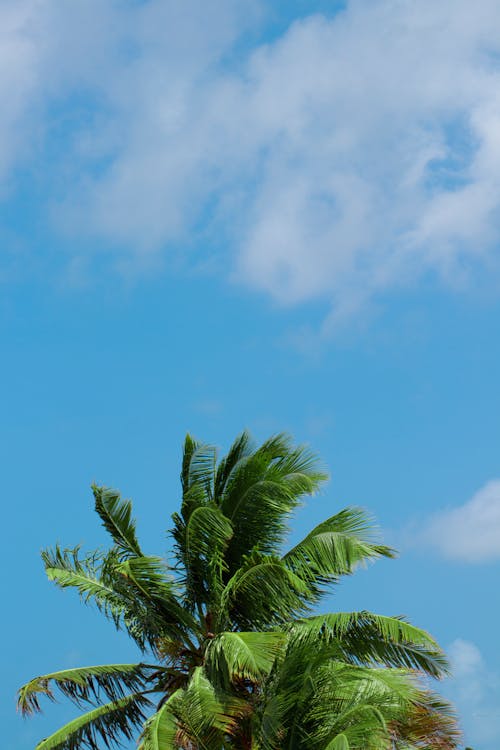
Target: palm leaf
(431, 723)
(66, 569)
(335, 547)
(207, 714)
(263, 592)
(120, 590)
(364, 637)
(148, 575)
(340, 742)
(240, 655)
(322, 698)
(198, 468)
(207, 534)
(262, 490)
(161, 728)
(106, 724)
(364, 726)
(377, 708)
(149, 578)
(116, 516)
(240, 449)
(83, 684)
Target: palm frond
(347, 687)
(363, 726)
(262, 490)
(119, 589)
(240, 449)
(206, 714)
(269, 724)
(322, 698)
(161, 729)
(66, 569)
(84, 684)
(336, 547)
(207, 534)
(367, 638)
(116, 516)
(262, 593)
(106, 724)
(148, 577)
(198, 469)
(243, 655)
(356, 700)
(431, 724)
(340, 742)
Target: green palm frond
(207, 715)
(260, 493)
(270, 722)
(335, 547)
(147, 574)
(198, 468)
(240, 655)
(84, 684)
(116, 516)
(240, 449)
(66, 569)
(161, 729)
(430, 724)
(263, 592)
(347, 687)
(314, 696)
(119, 589)
(107, 724)
(363, 727)
(321, 699)
(412, 717)
(207, 534)
(340, 742)
(364, 637)
(207, 527)
(149, 579)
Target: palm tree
(232, 655)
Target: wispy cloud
(470, 532)
(208, 407)
(475, 689)
(347, 157)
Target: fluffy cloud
(470, 532)
(475, 689)
(345, 157)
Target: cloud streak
(475, 689)
(470, 532)
(345, 158)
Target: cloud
(341, 159)
(208, 407)
(475, 690)
(18, 83)
(470, 532)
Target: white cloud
(344, 158)
(469, 532)
(18, 82)
(475, 690)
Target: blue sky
(273, 216)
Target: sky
(273, 216)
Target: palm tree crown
(233, 655)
